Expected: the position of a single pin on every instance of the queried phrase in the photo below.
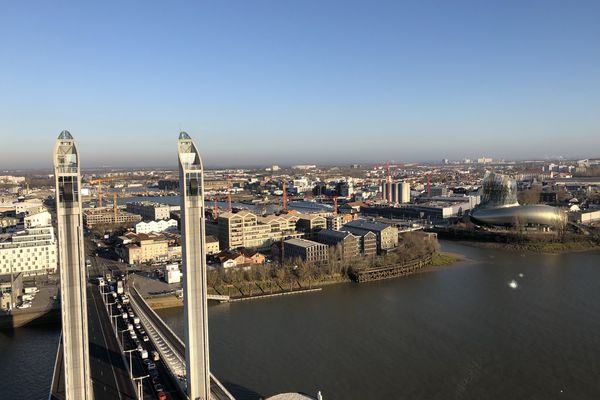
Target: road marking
(106, 345)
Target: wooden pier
(391, 271)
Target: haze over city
(294, 82)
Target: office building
(387, 236)
(347, 243)
(306, 250)
(31, 252)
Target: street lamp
(139, 385)
(130, 362)
(122, 338)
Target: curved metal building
(499, 206)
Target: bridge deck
(167, 340)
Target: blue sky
(282, 81)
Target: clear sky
(290, 81)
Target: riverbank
(443, 259)
(29, 318)
(573, 246)
(263, 289)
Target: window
(68, 189)
(193, 184)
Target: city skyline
(337, 82)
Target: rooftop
(302, 243)
(367, 225)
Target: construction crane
(229, 193)
(215, 210)
(98, 183)
(335, 205)
(388, 183)
(284, 198)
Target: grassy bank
(543, 247)
(442, 259)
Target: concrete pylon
(195, 309)
(78, 384)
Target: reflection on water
(27, 357)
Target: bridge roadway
(171, 347)
(109, 373)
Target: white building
(31, 252)
(173, 274)
(156, 226)
(150, 210)
(35, 220)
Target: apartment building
(142, 248)
(106, 215)
(245, 229)
(212, 245)
(31, 252)
(310, 224)
(150, 210)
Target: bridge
(170, 346)
(98, 337)
(110, 366)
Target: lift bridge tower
(72, 272)
(191, 184)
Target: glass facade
(498, 191)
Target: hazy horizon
(260, 83)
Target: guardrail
(172, 357)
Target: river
(459, 332)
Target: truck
(120, 287)
(30, 290)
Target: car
(142, 331)
(145, 338)
(150, 365)
(153, 372)
(138, 326)
(159, 388)
(131, 314)
(155, 380)
(162, 396)
(147, 362)
(132, 334)
(155, 355)
(140, 348)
